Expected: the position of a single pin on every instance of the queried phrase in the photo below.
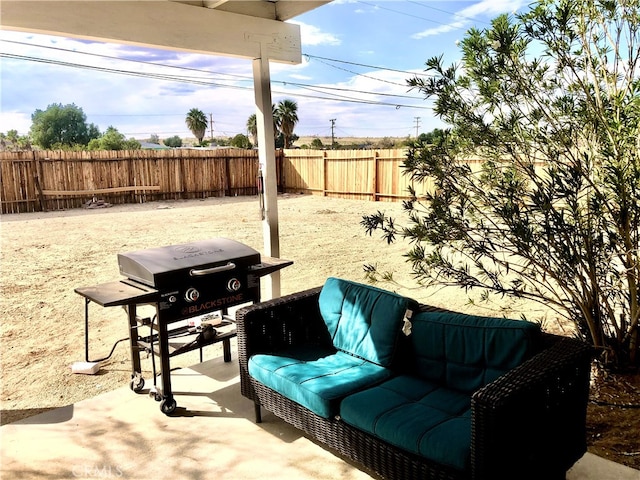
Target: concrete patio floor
(123, 435)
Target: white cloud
(462, 18)
(312, 35)
(438, 30)
(15, 121)
(492, 7)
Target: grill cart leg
(168, 404)
(226, 350)
(86, 329)
(226, 343)
(137, 382)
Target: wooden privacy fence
(53, 180)
(47, 180)
(358, 174)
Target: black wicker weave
(527, 424)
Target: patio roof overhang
(254, 30)
(234, 28)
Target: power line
(402, 13)
(175, 78)
(363, 65)
(239, 77)
(363, 75)
(430, 7)
(111, 57)
(158, 76)
(379, 94)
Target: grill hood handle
(207, 271)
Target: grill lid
(174, 264)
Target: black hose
(112, 350)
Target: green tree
(276, 122)
(433, 137)
(61, 126)
(316, 143)
(112, 139)
(11, 141)
(132, 144)
(241, 141)
(252, 128)
(553, 214)
(197, 122)
(386, 142)
(221, 141)
(154, 138)
(175, 141)
(287, 117)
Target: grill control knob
(233, 285)
(192, 295)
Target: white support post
(267, 158)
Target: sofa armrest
(274, 325)
(531, 421)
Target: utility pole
(211, 126)
(333, 138)
(417, 119)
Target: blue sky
(362, 51)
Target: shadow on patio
(212, 435)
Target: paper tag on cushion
(406, 326)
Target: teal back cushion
(466, 352)
(363, 320)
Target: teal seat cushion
(316, 382)
(363, 320)
(466, 352)
(417, 415)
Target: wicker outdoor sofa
(525, 423)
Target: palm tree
(197, 122)
(276, 121)
(252, 128)
(287, 114)
(252, 125)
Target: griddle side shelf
(113, 294)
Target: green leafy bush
(550, 100)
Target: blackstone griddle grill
(182, 282)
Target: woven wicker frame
(528, 424)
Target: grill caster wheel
(137, 384)
(168, 406)
(153, 393)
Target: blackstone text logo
(186, 248)
(97, 471)
(191, 251)
(211, 304)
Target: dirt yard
(45, 256)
